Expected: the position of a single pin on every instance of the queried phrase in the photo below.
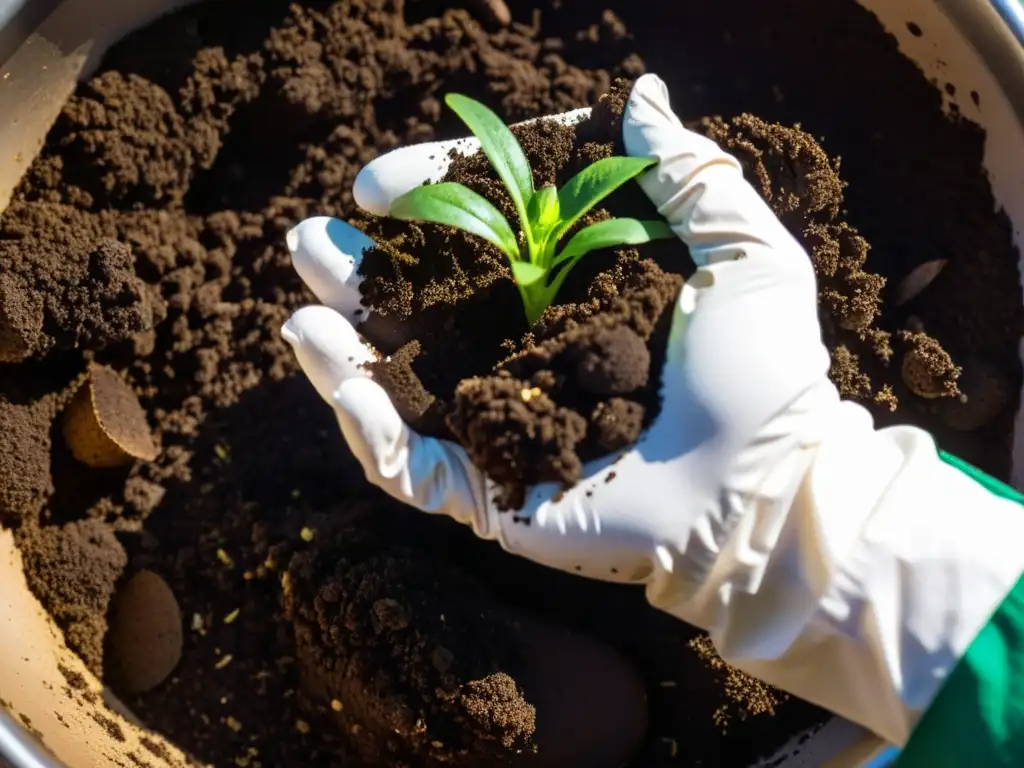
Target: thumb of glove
(700, 189)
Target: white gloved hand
(736, 509)
(725, 374)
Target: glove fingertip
(648, 115)
(327, 253)
(369, 188)
(328, 348)
(393, 174)
(650, 87)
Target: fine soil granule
(149, 237)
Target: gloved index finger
(327, 253)
(699, 188)
(400, 170)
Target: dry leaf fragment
(919, 278)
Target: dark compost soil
(207, 136)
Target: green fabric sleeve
(977, 720)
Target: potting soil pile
(148, 240)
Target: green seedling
(545, 215)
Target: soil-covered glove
(823, 556)
(740, 351)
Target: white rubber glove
(824, 557)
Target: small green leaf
(457, 206)
(604, 234)
(594, 183)
(612, 232)
(543, 211)
(501, 148)
(545, 215)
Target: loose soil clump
(360, 615)
(70, 291)
(72, 569)
(25, 479)
(145, 637)
(149, 238)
